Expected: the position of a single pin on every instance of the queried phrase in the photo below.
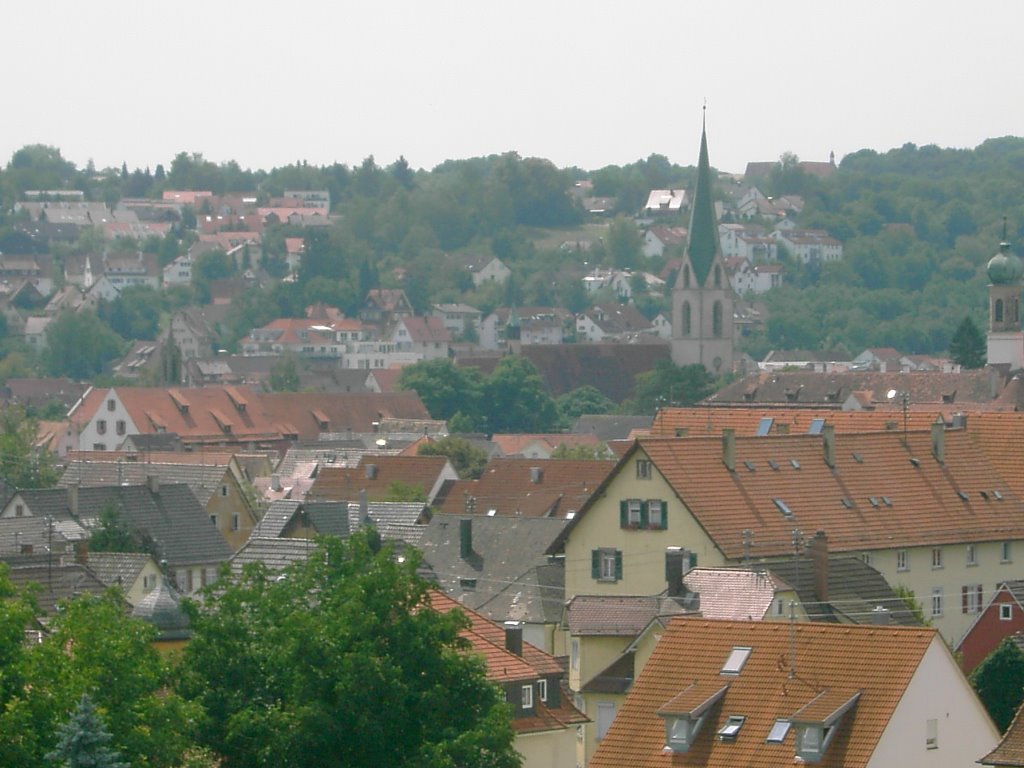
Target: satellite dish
(891, 394)
(381, 442)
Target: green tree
(21, 464)
(336, 661)
(516, 400)
(968, 347)
(999, 682)
(134, 314)
(581, 452)
(444, 388)
(84, 741)
(399, 490)
(669, 384)
(623, 243)
(79, 345)
(284, 374)
(112, 535)
(468, 460)
(587, 400)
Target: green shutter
(644, 514)
(595, 563)
(623, 513)
(664, 515)
(618, 565)
(693, 559)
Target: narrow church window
(686, 318)
(718, 276)
(716, 319)
(686, 276)
(999, 311)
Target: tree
(84, 741)
(112, 535)
(444, 388)
(399, 490)
(583, 401)
(581, 452)
(79, 345)
(623, 243)
(468, 460)
(335, 661)
(284, 374)
(516, 400)
(668, 384)
(999, 682)
(134, 314)
(968, 346)
(21, 465)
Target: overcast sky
(581, 82)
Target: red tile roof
(344, 483)
(833, 663)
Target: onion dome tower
(1005, 339)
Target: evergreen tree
(999, 682)
(968, 346)
(83, 741)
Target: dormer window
(527, 697)
(685, 714)
(816, 722)
(731, 729)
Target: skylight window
(963, 495)
(737, 658)
(750, 466)
(778, 732)
(765, 426)
(915, 461)
(847, 502)
(998, 495)
(783, 508)
(795, 463)
(873, 500)
(858, 458)
(816, 426)
(731, 729)
(773, 464)
(887, 501)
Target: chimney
(939, 442)
(536, 475)
(818, 550)
(465, 537)
(880, 615)
(514, 637)
(729, 449)
(371, 471)
(364, 507)
(154, 483)
(275, 482)
(73, 498)
(82, 552)
(675, 567)
(828, 439)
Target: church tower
(702, 298)
(1005, 339)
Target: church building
(1005, 338)
(702, 298)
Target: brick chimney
(465, 537)
(729, 449)
(939, 442)
(818, 550)
(828, 439)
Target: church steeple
(703, 234)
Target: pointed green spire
(703, 236)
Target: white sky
(580, 82)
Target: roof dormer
(816, 722)
(686, 713)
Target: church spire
(703, 235)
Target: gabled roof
(296, 414)
(426, 329)
(527, 487)
(610, 368)
(276, 519)
(57, 581)
(394, 520)
(616, 615)
(757, 420)
(375, 474)
(507, 575)
(610, 427)
(1010, 751)
(118, 569)
(831, 666)
(734, 594)
(274, 553)
(202, 478)
(512, 445)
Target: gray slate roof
(330, 518)
(507, 573)
(202, 479)
(394, 520)
(276, 554)
(171, 517)
(162, 608)
(118, 569)
(57, 581)
(610, 427)
(275, 520)
(20, 534)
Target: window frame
(937, 601)
(527, 694)
(656, 514)
(902, 560)
(542, 690)
(936, 558)
(643, 469)
(1006, 611)
(972, 555)
(1006, 552)
(971, 598)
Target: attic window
(963, 495)
(858, 458)
(795, 463)
(737, 658)
(773, 464)
(846, 502)
(873, 500)
(984, 495)
(783, 508)
(887, 501)
(468, 584)
(998, 495)
(750, 466)
(731, 729)
(778, 732)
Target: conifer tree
(84, 741)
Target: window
(931, 734)
(223, 490)
(213, 520)
(970, 598)
(737, 658)
(111, 404)
(606, 564)
(936, 601)
(1006, 612)
(121, 427)
(731, 729)
(101, 427)
(972, 554)
(542, 690)
(866, 557)
(149, 582)
(99, 446)
(574, 654)
(19, 510)
(778, 732)
(1006, 552)
(687, 322)
(605, 715)
(936, 557)
(716, 319)
(527, 697)
(902, 563)
(634, 509)
(234, 522)
(643, 469)
(655, 513)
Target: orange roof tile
(995, 434)
(346, 411)
(1011, 749)
(879, 494)
(345, 483)
(703, 422)
(832, 664)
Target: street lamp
(904, 400)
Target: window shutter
(644, 514)
(618, 565)
(595, 564)
(623, 513)
(963, 598)
(693, 559)
(664, 515)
